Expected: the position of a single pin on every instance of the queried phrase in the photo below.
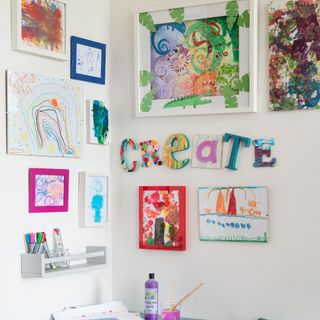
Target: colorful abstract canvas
(44, 116)
(207, 151)
(93, 199)
(294, 40)
(40, 27)
(234, 214)
(98, 122)
(162, 218)
(48, 190)
(196, 59)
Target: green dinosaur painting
(183, 102)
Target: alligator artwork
(183, 102)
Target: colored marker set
(37, 244)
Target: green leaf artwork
(230, 98)
(244, 19)
(145, 78)
(177, 14)
(146, 20)
(232, 10)
(146, 102)
(244, 84)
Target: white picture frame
(93, 199)
(202, 10)
(20, 44)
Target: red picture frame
(162, 217)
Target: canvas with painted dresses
(109, 311)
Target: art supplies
(151, 298)
(30, 240)
(59, 249)
(38, 244)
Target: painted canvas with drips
(294, 40)
(43, 25)
(233, 214)
(162, 218)
(196, 60)
(44, 116)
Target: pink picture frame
(48, 190)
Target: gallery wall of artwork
(49, 135)
(237, 236)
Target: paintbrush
(186, 296)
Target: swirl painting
(200, 60)
(44, 116)
(294, 66)
(162, 218)
(48, 190)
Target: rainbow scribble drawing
(99, 122)
(233, 214)
(49, 191)
(97, 199)
(43, 24)
(294, 40)
(196, 57)
(44, 116)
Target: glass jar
(167, 314)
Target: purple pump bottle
(151, 298)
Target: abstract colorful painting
(294, 66)
(40, 27)
(162, 218)
(48, 190)
(93, 199)
(207, 151)
(234, 214)
(44, 116)
(196, 59)
(88, 60)
(98, 122)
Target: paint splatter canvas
(93, 199)
(48, 190)
(294, 40)
(196, 59)
(44, 116)
(41, 27)
(233, 214)
(162, 212)
(98, 122)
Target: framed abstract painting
(98, 122)
(39, 27)
(199, 59)
(162, 218)
(294, 67)
(237, 214)
(88, 60)
(93, 199)
(48, 190)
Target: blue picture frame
(98, 74)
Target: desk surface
(159, 318)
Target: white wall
(35, 299)
(278, 280)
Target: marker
(37, 246)
(27, 237)
(32, 241)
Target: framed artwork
(294, 41)
(98, 122)
(93, 199)
(48, 190)
(44, 116)
(233, 214)
(197, 59)
(162, 218)
(39, 27)
(88, 60)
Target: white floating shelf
(34, 265)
